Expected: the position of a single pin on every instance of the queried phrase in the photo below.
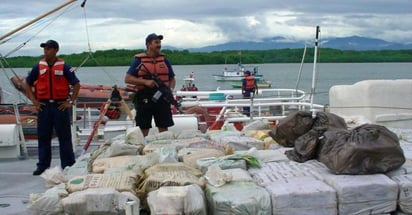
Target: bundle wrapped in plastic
(367, 149)
(242, 198)
(166, 135)
(188, 200)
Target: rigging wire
(90, 52)
(3, 60)
(21, 98)
(36, 25)
(301, 67)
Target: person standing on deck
(145, 67)
(249, 86)
(52, 78)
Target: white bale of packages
(152, 147)
(92, 201)
(189, 156)
(242, 142)
(281, 171)
(78, 168)
(119, 182)
(369, 194)
(216, 136)
(259, 124)
(302, 195)
(188, 200)
(48, 202)
(99, 165)
(203, 163)
(268, 155)
(195, 142)
(241, 198)
(239, 174)
(169, 174)
(189, 133)
(134, 136)
(165, 135)
(407, 148)
(120, 148)
(405, 169)
(405, 188)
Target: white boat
(236, 74)
(261, 84)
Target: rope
(90, 52)
(35, 25)
(2, 59)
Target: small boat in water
(262, 84)
(236, 74)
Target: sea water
(280, 75)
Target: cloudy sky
(124, 24)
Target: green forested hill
(122, 57)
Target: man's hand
(151, 83)
(37, 104)
(64, 105)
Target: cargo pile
(229, 172)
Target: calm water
(281, 76)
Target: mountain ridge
(356, 43)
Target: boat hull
(260, 85)
(233, 78)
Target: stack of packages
(302, 166)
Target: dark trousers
(48, 118)
(246, 95)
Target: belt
(51, 100)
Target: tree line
(123, 57)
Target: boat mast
(312, 93)
(36, 19)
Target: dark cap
(247, 72)
(50, 44)
(153, 36)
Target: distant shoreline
(123, 57)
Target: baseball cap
(153, 36)
(246, 72)
(50, 44)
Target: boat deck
(17, 181)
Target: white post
(312, 93)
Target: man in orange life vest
(51, 78)
(249, 87)
(141, 73)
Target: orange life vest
(152, 66)
(51, 82)
(250, 82)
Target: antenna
(312, 91)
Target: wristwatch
(71, 102)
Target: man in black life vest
(143, 71)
